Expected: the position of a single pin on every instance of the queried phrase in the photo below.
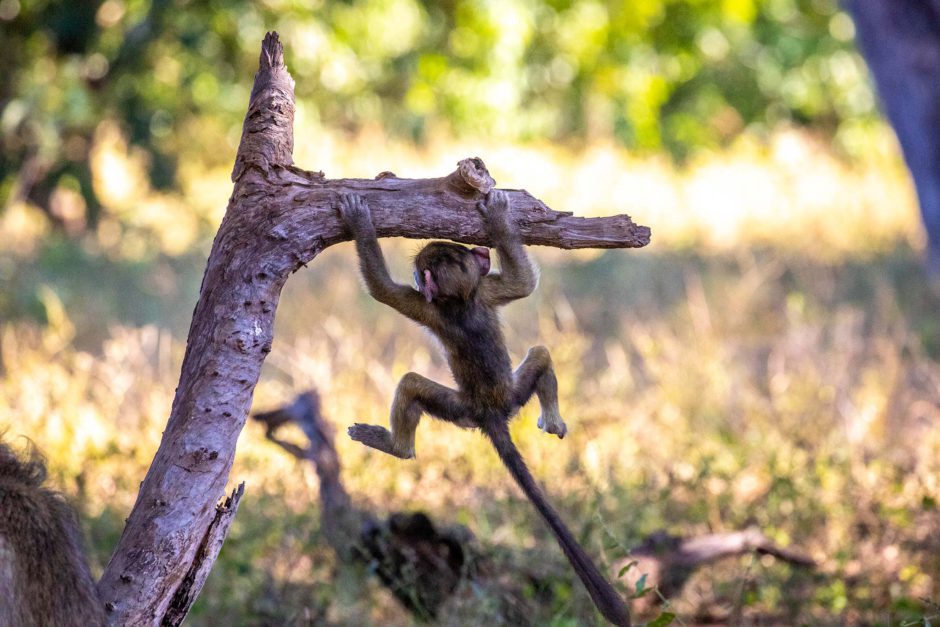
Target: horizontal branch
(303, 211)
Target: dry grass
(783, 375)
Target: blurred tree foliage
(174, 75)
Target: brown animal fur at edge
(457, 299)
(44, 576)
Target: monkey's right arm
(516, 279)
(404, 299)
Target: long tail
(606, 599)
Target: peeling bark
(279, 218)
(205, 557)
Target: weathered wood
(208, 552)
(230, 334)
(279, 218)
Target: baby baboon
(44, 578)
(457, 299)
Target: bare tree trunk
(418, 562)
(901, 43)
(279, 218)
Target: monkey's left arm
(358, 219)
(516, 279)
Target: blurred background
(769, 360)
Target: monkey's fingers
(341, 206)
(358, 203)
(497, 199)
(354, 211)
(344, 202)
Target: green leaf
(623, 570)
(640, 584)
(662, 620)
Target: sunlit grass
(758, 390)
(769, 360)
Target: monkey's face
(446, 270)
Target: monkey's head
(447, 270)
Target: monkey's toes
(378, 438)
(554, 425)
(368, 434)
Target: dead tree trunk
(419, 562)
(901, 43)
(279, 217)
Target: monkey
(457, 298)
(44, 576)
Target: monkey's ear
(482, 256)
(429, 286)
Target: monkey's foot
(378, 438)
(551, 422)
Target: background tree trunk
(418, 561)
(278, 218)
(900, 40)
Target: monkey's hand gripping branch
(356, 216)
(494, 209)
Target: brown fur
(457, 300)
(44, 577)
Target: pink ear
(430, 287)
(482, 256)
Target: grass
(779, 372)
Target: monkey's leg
(415, 395)
(535, 375)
